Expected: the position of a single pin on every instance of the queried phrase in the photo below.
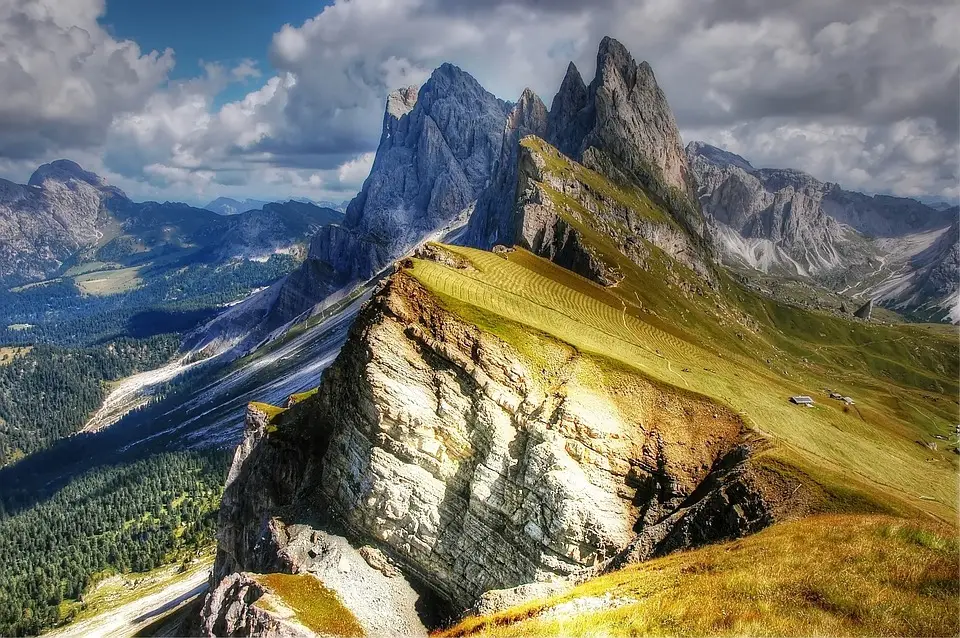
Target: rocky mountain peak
(66, 171)
(401, 101)
(566, 130)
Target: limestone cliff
(583, 221)
(455, 454)
(620, 126)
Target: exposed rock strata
(444, 447)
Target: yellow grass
(315, 606)
(109, 282)
(821, 576)
(9, 353)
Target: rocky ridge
(444, 447)
(67, 215)
(620, 126)
(436, 154)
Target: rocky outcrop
(865, 311)
(493, 221)
(442, 446)
(579, 219)
(620, 127)
(436, 154)
(231, 609)
(623, 117)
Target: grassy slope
(876, 441)
(832, 575)
(750, 353)
(315, 606)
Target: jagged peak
(612, 56)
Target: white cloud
(863, 92)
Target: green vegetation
(629, 197)
(821, 576)
(903, 378)
(109, 282)
(315, 606)
(47, 392)
(125, 517)
(171, 293)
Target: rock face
(785, 222)
(577, 218)
(436, 154)
(439, 444)
(619, 126)
(864, 311)
(231, 610)
(492, 222)
(626, 118)
(60, 212)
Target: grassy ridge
(835, 575)
(872, 442)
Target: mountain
(228, 206)
(788, 223)
(62, 210)
(436, 154)
(619, 126)
(66, 216)
(514, 426)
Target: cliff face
(445, 446)
(436, 154)
(581, 220)
(619, 126)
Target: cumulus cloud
(64, 77)
(863, 92)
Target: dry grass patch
(821, 576)
(315, 606)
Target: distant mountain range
(229, 206)
(66, 216)
(785, 222)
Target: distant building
(802, 400)
(847, 400)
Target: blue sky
(225, 31)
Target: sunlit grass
(821, 576)
(315, 606)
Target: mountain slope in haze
(500, 425)
(229, 206)
(785, 222)
(66, 216)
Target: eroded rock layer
(476, 470)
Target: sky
(193, 99)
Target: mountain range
(895, 250)
(66, 216)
